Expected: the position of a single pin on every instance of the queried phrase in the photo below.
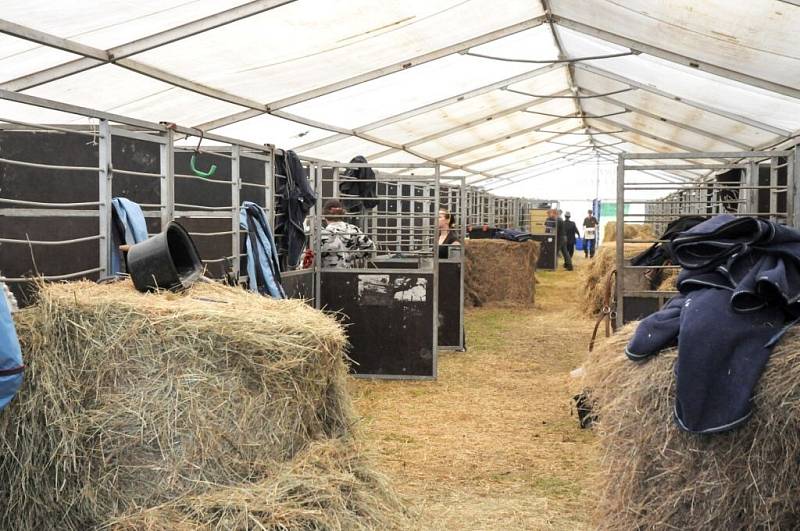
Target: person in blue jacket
(11, 366)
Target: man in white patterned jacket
(343, 245)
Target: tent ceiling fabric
(338, 79)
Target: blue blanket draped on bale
(263, 269)
(739, 293)
(130, 228)
(10, 355)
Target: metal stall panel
(451, 335)
(388, 318)
(389, 299)
(748, 183)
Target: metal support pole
(236, 187)
(793, 187)
(751, 203)
(318, 235)
(269, 191)
(105, 177)
(462, 257)
(620, 237)
(167, 151)
(773, 183)
(435, 247)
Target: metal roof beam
(504, 137)
(519, 170)
(437, 105)
(681, 125)
(422, 140)
(92, 60)
(668, 55)
(665, 141)
(563, 55)
(703, 107)
(498, 155)
(405, 64)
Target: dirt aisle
(492, 444)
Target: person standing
(555, 224)
(590, 224)
(570, 231)
(343, 245)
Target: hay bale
(656, 477)
(593, 279)
(133, 400)
(631, 231)
(500, 272)
(327, 486)
(669, 280)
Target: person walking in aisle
(570, 231)
(590, 224)
(554, 221)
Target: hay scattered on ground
(134, 401)
(329, 485)
(632, 231)
(500, 272)
(657, 477)
(592, 284)
(491, 444)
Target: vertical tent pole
(236, 187)
(105, 191)
(167, 151)
(620, 237)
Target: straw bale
(500, 272)
(594, 277)
(631, 231)
(669, 280)
(656, 477)
(329, 485)
(131, 400)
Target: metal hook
(193, 161)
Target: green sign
(609, 210)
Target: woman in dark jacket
(447, 233)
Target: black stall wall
(47, 185)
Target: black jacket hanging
(358, 187)
(295, 199)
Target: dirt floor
(492, 444)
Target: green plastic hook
(211, 171)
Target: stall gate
(389, 296)
(750, 183)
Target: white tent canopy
(499, 91)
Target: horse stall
(59, 183)
(388, 296)
(749, 183)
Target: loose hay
(657, 477)
(592, 285)
(327, 486)
(669, 280)
(500, 272)
(131, 400)
(631, 231)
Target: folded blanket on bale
(739, 292)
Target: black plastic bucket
(166, 261)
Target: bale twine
(500, 272)
(656, 477)
(133, 401)
(631, 231)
